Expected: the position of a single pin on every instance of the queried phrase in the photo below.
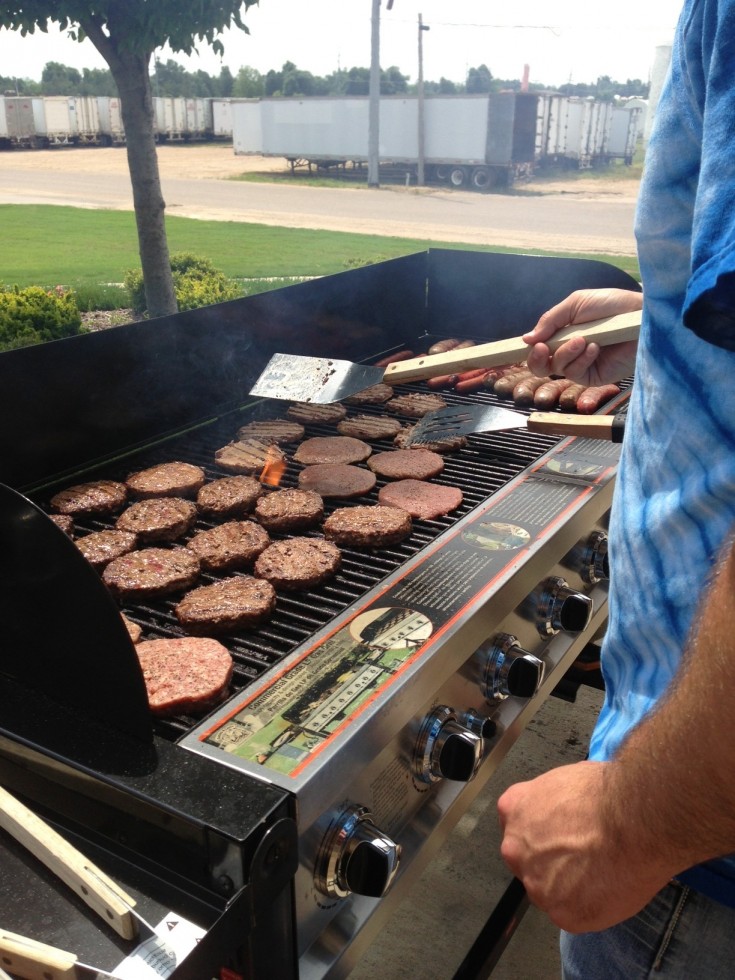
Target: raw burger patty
(272, 431)
(289, 510)
(248, 456)
(332, 449)
(184, 675)
(151, 572)
(310, 413)
(65, 522)
(100, 547)
(368, 526)
(369, 427)
(374, 395)
(228, 546)
(415, 406)
(134, 630)
(100, 497)
(229, 496)
(425, 501)
(158, 519)
(447, 444)
(407, 464)
(167, 480)
(231, 604)
(298, 563)
(337, 480)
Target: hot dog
(593, 398)
(401, 355)
(476, 383)
(549, 393)
(444, 381)
(524, 390)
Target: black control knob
(446, 749)
(509, 670)
(355, 857)
(478, 724)
(562, 608)
(595, 562)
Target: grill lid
(57, 618)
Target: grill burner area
(484, 466)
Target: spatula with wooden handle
(295, 377)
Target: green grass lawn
(80, 248)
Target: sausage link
(524, 390)
(401, 355)
(548, 394)
(442, 346)
(593, 398)
(568, 398)
(506, 384)
(444, 381)
(463, 344)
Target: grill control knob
(478, 724)
(355, 857)
(509, 670)
(446, 749)
(595, 565)
(561, 608)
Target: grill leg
(495, 934)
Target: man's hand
(578, 861)
(584, 363)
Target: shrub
(196, 283)
(35, 315)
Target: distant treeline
(172, 80)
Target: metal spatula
(462, 420)
(295, 377)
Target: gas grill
(367, 713)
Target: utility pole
(422, 27)
(374, 107)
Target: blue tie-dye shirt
(674, 506)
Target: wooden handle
(35, 961)
(592, 426)
(93, 886)
(610, 330)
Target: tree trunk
(136, 105)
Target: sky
(561, 41)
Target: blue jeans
(680, 935)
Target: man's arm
(594, 842)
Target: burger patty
(369, 526)
(166, 480)
(369, 427)
(298, 563)
(332, 449)
(230, 496)
(248, 456)
(416, 405)
(158, 518)
(289, 510)
(407, 464)
(190, 674)
(310, 413)
(135, 632)
(232, 604)
(374, 395)
(151, 572)
(446, 444)
(229, 546)
(337, 480)
(100, 547)
(422, 500)
(272, 431)
(99, 497)
(65, 522)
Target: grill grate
(488, 463)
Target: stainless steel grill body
(425, 632)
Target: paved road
(569, 222)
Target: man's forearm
(673, 778)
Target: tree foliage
(127, 33)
